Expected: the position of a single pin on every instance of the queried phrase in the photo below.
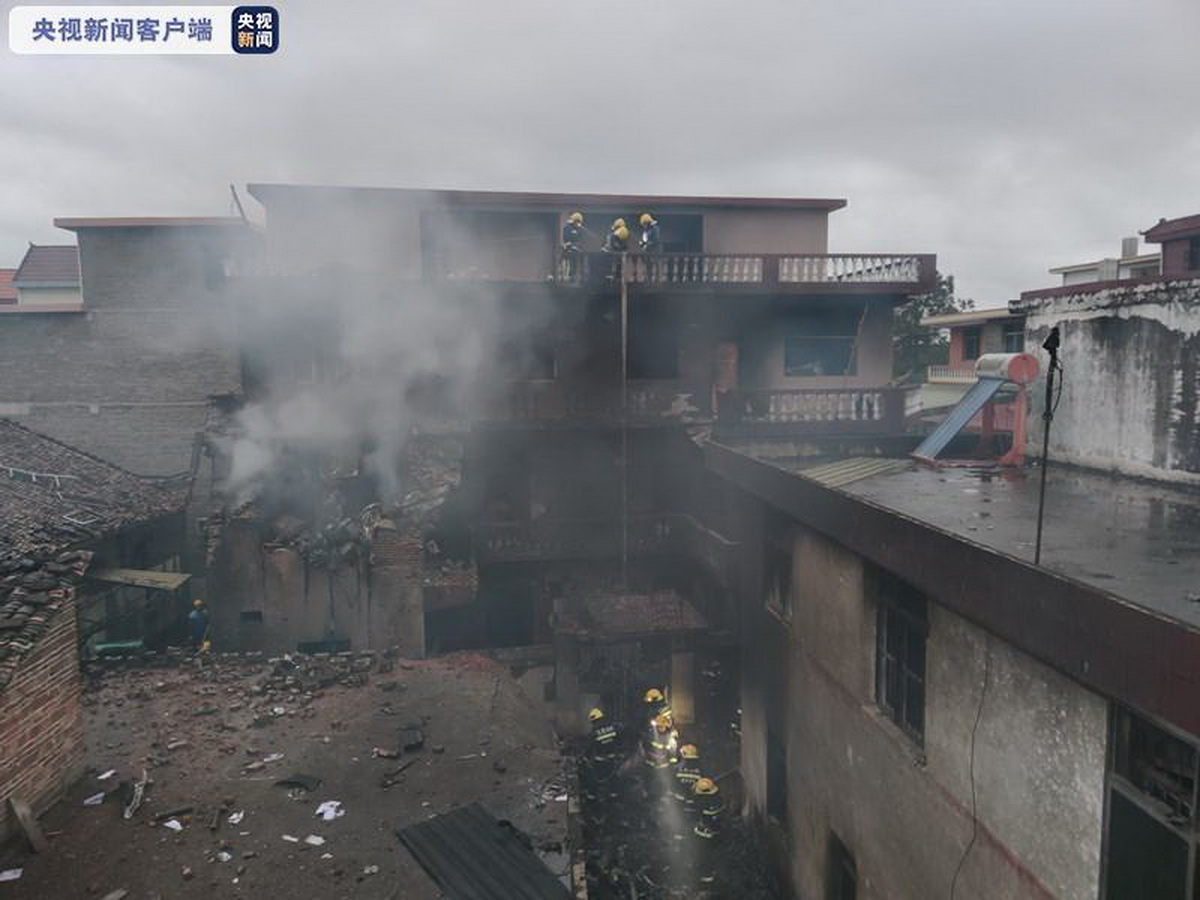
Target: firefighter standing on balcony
(651, 239)
(710, 808)
(618, 237)
(572, 244)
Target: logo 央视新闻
(255, 29)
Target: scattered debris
(178, 745)
(186, 872)
(370, 870)
(236, 818)
(10, 874)
(29, 825)
(412, 738)
(119, 894)
(290, 838)
(224, 856)
(173, 824)
(272, 757)
(314, 840)
(104, 777)
(300, 780)
(173, 813)
(139, 794)
(330, 810)
(381, 753)
(95, 799)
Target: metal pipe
(1051, 347)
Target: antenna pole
(1051, 347)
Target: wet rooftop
(1136, 539)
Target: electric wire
(987, 671)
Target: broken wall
(1131, 360)
(903, 807)
(41, 722)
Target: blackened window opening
(900, 655)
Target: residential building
(47, 281)
(86, 556)
(1129, 265)
(1180, 239)
(926, 712)
(8, 291)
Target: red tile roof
(49, 265)
(1173, 228)
(8, 293)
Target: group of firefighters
(616, 241)
(670, 772)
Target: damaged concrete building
(583, 482)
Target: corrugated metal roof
(49, 266)
(143, 578)
(848, 471)
(472, 856)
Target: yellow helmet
(197, 603)
(623, 233)
(705, 786)
(662, 723)
(576, 217)
(689, 751)
(617, 224)
(646, 218)
(596, 714)
(654, 695)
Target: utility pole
(624, 427)
(1050, 345)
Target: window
(778, 577)
(777, 788)
(1151, 845)
(841, 875)
(1193, 254)
(900, 656)
(1014, 337)
(251, 616)
(823, 343)
(972, 339)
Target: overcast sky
(1006, 136)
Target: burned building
(82, 543)
(581, 419)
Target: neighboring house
(972, 334)
(1180, 239)
(72, 529)
(8, 291)
(926, 712)
(47, 281)
(1130, 264)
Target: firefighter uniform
(687, 773)
(618, 238)
(602, 757)
(710, 808)
(651, 239)
(572, 244)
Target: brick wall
(41, 722)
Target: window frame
(902, 623)
(972, 333)
(793, 371)
(1013, 330)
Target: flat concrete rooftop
(1138, 540)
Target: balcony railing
(911, 273)
(648, 535)
(648, 402)
(950, 375)
(833, 410)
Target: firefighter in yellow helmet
(618, 237)
(710, 809)
(687, 773)
(572, 245)
(651, 239)
(198, 626)
(601, 760)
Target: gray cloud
(1005, 135)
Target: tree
(915, 346)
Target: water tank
(1019, 368)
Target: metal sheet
(848, 471)
(143, 578)
(972, 402)
(472, 856)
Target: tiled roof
(54, 498)
(1171, 228)
(8, 293)
(55, 265)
